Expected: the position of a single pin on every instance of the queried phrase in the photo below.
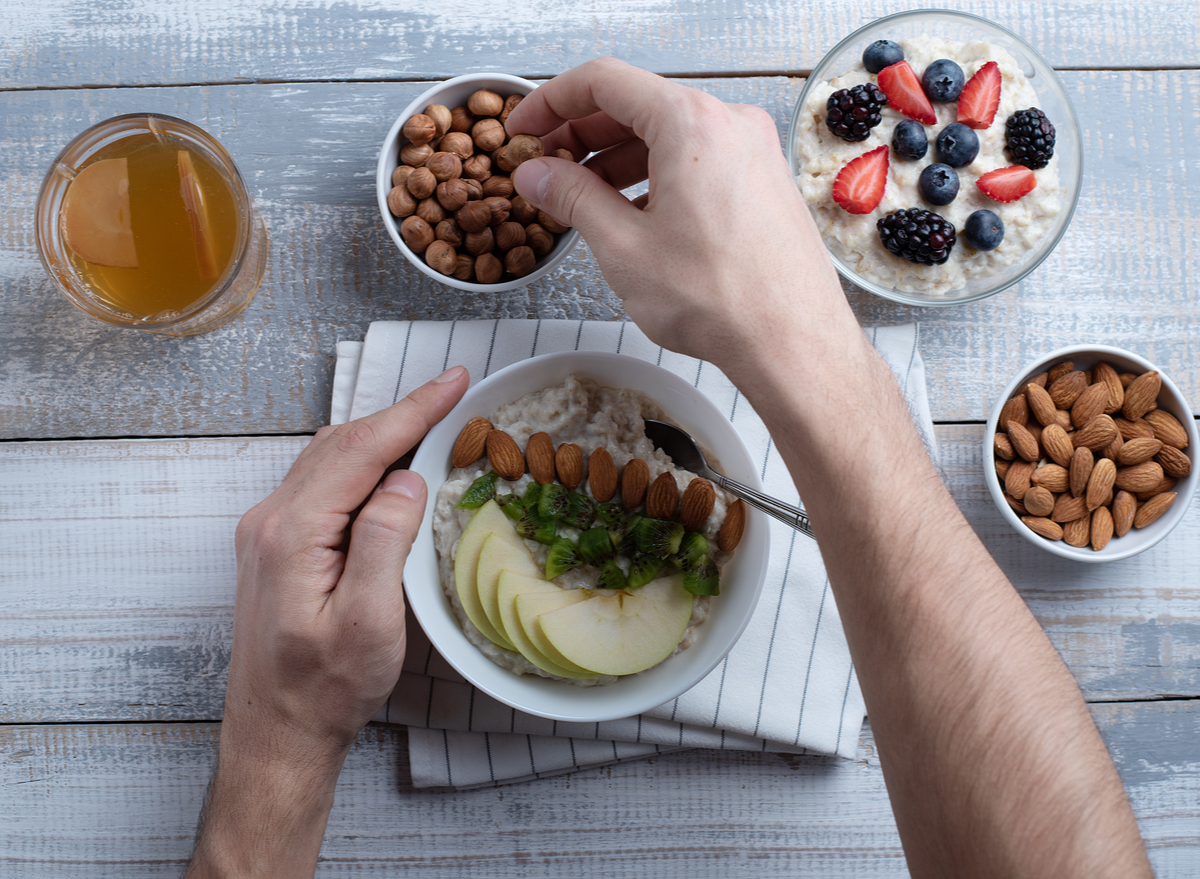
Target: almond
(1168, 483)
(1123, 508)
(1090, 404)
(1039, 501)
(662, 498)
(1143, 448)
(1081, 470)
(1174, 462)
(568, 463)
(1140, 477)
(697, 504)
(602, 475)
(1043, 527)
(1001, 447)
(1100, 483)
(1040, 405)
(1116, 391)
(505, 456)
(1058, 371)
(1152, 509)
(635, 479)
(1141, 395)
(1016, 410)
(1001, 468)
(1114, 448)
(1063, 419)
(1127, 379)
(1065, 390)
(1167, 428)
(1134, 429)
(1077, 531)
(1068, 508)
(1058, 445)
(1051, 476)
(1017, 506)
(730, 534)
(1023, 442)
(1016, 481)
(1102, 528)
(1096, 434)
(471, 442)
(1041, 379)
(539, 454)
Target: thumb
(576, 196)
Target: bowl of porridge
(588, 401)
(941, 113)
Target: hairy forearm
(991, 758)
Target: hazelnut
(421, 183)
(510, 104)
(497, 186)
(440, 114)
(461, 119)
(464, 267)
(483, 241)
(415, 154)
(510, 235)
(564, 154)
(488, 134)
(416, 233)
(419, 129)
(400, 201)
(474, 189)
(541, 241)
(441, 257)
(474, 216)
(430, 211)
(401, 174)
(551, 224)
(445, 166)
(520, 261)
(488, 268)
(503, 162)
(485, 102)
(452, 194)
(459, 143)
(448, 231)
(522, 148)
(477, 167)
(499, 207)
(522, 211)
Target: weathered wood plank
(117, 571)
(132, 811)
(1124, 273)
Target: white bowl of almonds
(1090, 454)
(445, 195)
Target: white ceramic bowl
(1052, 98)
(452, 93)
(1169, 399)
(741, 579)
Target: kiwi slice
(581, 511)
(595, 546)
(691, 549)
(703, 579)
(642, 570)
(478, 492)
(562, 557)
(611, 576)
(657, 537)
(552, 503)
(537, 527)
(511, 505)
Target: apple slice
(96, 218)
(531, 605)
(511, 587)
(622, 633)
(488, 519)
(193, 203)
(499, 554)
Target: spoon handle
(793, 517)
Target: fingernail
(403, 482)
(450, 374)
(532, 179)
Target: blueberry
(957, 145)
(909, 140)
(938, 184)
(984, 230)
(881, 54)
(943, 81)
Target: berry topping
(904, 92)
(938, 184)
(1030, 138)
(854, 112)
(1007, 184)
(909, 140)
(858, 187)
(881, 54)
(984, 230)
(943, 81)
(919, 236)
(957, 145)
(980, 97)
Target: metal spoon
(685, 452)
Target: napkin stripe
(537, 330)
(621, 335)
(762, 694)
(487, 367)
(579, 335)
(811, 653)
(403, 357)
(446, 748)
(449, 345)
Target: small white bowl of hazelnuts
(446, 196)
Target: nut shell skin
(471, 442)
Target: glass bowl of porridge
(589, 400)
(942, 146)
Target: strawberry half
(1007, 184)
(904, 92)
(980, 97)
(858, 187)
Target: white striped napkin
(788, 685)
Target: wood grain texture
(1124, 274)
(62, 44)
(122, 800)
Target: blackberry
(1030, 138)
(854, 112)
(918, 235)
